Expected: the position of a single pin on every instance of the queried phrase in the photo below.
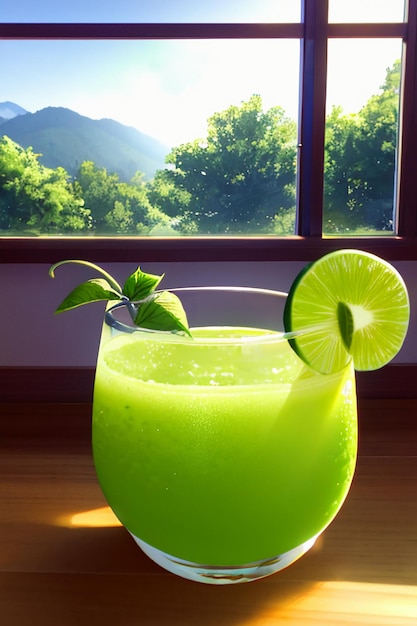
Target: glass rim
(266, 335)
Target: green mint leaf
(111, 281)
(162, 311)
(156, 311)
(140, 285)
(91, 291)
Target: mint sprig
(160, 310)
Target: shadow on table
(99, 576)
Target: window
(366, 11)
(361, 140)
(322, 195)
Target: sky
(168, 89)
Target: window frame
(308, 243)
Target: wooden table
(64, 561)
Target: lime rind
(358, 307)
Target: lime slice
(347, 304)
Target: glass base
(223, 575)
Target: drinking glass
(223, 455)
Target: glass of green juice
(222, 454)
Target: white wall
(31, 335)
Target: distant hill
(8, 110)
(65, 138)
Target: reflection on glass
(361, 138)
(156, 11)
(154, 137)
(366, 11)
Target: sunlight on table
(326, 603)
(94, 518)
(388, 603)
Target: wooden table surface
(64, 560)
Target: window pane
(361, 136)
(155, 11)
(233, 175)
(366, 11)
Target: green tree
(360, 162)
(34, 197)
(99, 190)
(118, 207)
(237, 180)
(166, 195)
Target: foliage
(34, 196)
(360, 162)
(118, 207)
(172, 199)
(240, 179)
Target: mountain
(65, 138)
(8, 110)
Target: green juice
(221, 452)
